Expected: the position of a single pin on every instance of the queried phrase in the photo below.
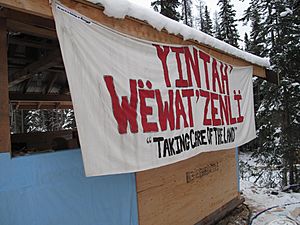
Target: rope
(265, 210)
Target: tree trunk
(185, 12)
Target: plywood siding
(188, 191)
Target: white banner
(140, 105)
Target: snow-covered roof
(122, 8)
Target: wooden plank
(17, 26)
(51, 83)
(26, 85)
(27, 18)
(18, 60)
(5, 145)
(41, 105)
(35, 7)
(38, 101)
(42, 64)
(20, 97)
(188, 191)
(31, 43)
(221, 212)
(129, 26)
(273, 77)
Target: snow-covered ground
(276, 207)
(286, 205)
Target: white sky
(239, 6)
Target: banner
(140, 104)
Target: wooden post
(5, 144)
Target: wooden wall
(4, 102)
(188, 191)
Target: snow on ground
(281, 207)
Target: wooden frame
(4, 102)
(37, 101)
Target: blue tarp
(51, 189)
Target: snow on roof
(122, 8)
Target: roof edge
(122, 8)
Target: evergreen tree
(207, 23)
(187, 12)
(285, 57)
(48, 120)
(200, 14)
(228, 30)
(278, 117)
(34, 121)
(258, 40)
(216, 26)
(247, 42)
(167, 8)
(69, 119)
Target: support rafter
(42, 64)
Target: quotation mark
(149, 140)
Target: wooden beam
(27, 85)
(17, 60)
(17, 97)
(27, 18)
(32, 105)
(31, 43)
(57, 70)
(29, 71)
(5, 145)
(272, 77)
(17, 26)
(51, 83)
(35, 7)
(221, 212)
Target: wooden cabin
(51, 188)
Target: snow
(261, 108)
(269, 206)
(261, 198)
(286, 205)
(278, 130)
(122, 8)
(286, 12)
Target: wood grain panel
(35, 7)
(165, 197)
(4, 101)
